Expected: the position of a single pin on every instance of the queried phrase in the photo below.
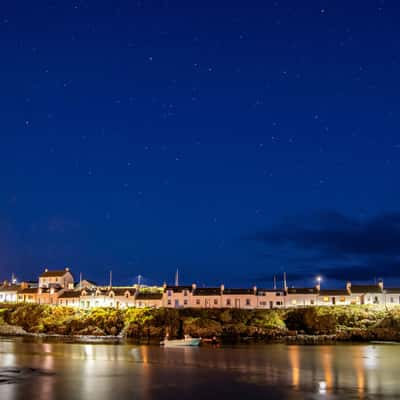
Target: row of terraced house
(57, 287)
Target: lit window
(326, 299)
(294, 301)
(342, 299)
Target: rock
(11, 330)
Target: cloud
(338, 246)
(337, 234)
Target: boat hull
(192, 342)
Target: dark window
(198, 302)
(228, 302)
(248, 302)
(169, 302)
(215, 301)
(185, 302)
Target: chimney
(222, 288)
(255, 289)
(380, 284)
(284, 282)
(348, 287)
(46, 270)
(194, 286)
(66, 269)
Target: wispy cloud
(339, 246)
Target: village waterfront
(39, 369)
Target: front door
(237, 303)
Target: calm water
(49, 371)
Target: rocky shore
(313, 325)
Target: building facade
(57, 288)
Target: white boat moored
(186, 342)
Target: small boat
(187, 341)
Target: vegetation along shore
(312, 325)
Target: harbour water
(52, 370)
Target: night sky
(232, 140)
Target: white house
(9, 293)
(239, 298)
(392, 296)
(177, 296)
(57, 279)
(334, 297)
(207, 297)
(270, 298)
(301, 297)
(366, 294)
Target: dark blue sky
(233, 140)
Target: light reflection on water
(101, 371)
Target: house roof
(52, 274)
(334, 292)
(365, 289)
(121, 291)
(178, 289)
(70, 294)
(207, 291)
(238, 291)
(10, 288)
(29, 291)
(302, 291)
(392, 290)
(149, 296)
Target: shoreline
(301, 339)
(228, 326)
